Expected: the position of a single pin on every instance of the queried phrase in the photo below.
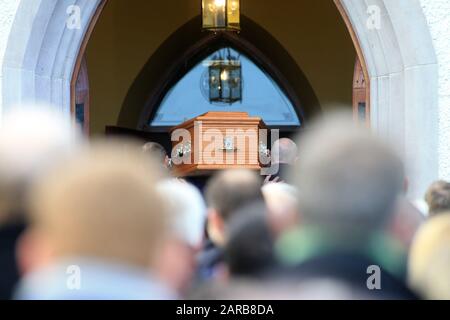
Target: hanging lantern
(221, 15)
(225, 80)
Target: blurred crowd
(104, 219)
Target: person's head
(438, 197)
(250, 248)
(186, 232)
(101, 203)
(284, 151)
(158, 152)
(282, 204)
(429, 259)
(349, 182)
(31, 139)
(225, 193)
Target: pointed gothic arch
(189, 45)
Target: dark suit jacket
(9, 274)
(351, 269)
(208, 260)
(283, 173)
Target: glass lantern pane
(235, 84)
(234, 16)
(214, 14)
(214, 83)
(208, 17)
(220, 15)
(226, 91)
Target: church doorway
(313, 33)
(311, 70)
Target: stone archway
(394, 41)
(42, 52)
(399, 57)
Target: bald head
(284, 151)
(230, 190)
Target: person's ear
(216, 227)
(405, 185)
(167, 162)
(32, 252)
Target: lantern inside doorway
(225, 79)
(221, 15)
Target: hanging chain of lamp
(225, 78)
(221, 15)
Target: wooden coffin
(217, 141)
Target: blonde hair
(429, 261)
(188, 210)
(438, 197)
(280, 198)
(101, 203)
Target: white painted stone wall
(437, 13)
(8, 9)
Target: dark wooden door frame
(360, 97)
(82, 68)
(360, 64)
(82, 94)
